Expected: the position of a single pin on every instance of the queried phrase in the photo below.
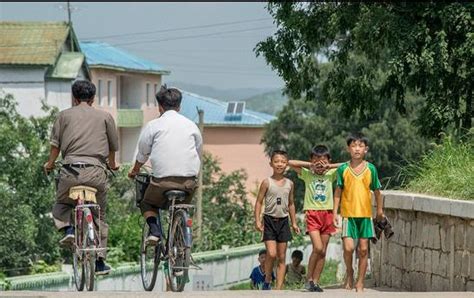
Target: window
(154, 95)
(109, 93)
(147, 94)
(99, 92)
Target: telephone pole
(199, 190)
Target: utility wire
(177, 29)
(191, 36)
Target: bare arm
(258, 204)
(337, 199)
(135, 170)
(53, 155)
(296, 165)
(379, 202)
(292, 210)
(112, 163)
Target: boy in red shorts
(318, 175)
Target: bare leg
(317, 246)
(281, 255)
(321, 259)
(363, 261)
(271, 247)
(348, 246)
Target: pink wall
(239, 148)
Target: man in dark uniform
(87, 139)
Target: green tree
(227, 214)
(26, 229)
(379, 51)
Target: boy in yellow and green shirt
(355, 181)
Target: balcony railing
(130, 118)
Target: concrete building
(38, 62)
(233, 134)
(126, 88)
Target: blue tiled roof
(215, 112)
(102, 54)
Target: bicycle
(87, 234)
(174, 248)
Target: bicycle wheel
(90, 242)
(77, 257)
(149, 260)
(179, 256)
(78, 269)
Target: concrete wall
(227, 267)
(27, 86)
(239, 148)
(433, 245)
(128, 91)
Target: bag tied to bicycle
(84, 193)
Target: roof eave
(117, 68)
(221, 125)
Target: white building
(39, 61)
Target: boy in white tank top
(277, 191)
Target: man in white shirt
(173, 144)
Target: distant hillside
(221, 94)
(270, 102)
(264, 100)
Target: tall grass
(447, 170)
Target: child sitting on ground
(295, 272)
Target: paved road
(385, 293)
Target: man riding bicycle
(173, 144)
(87, 140)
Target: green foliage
(227, 215)
(26, 230)
(42, 267)
(447, 170)
(379, 51)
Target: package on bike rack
(141, 183)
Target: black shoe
(69, 236)
(101, 268)
(317, 288)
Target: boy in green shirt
(318, 175)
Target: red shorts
(320, 220)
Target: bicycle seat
(175, 194)
(82, 192)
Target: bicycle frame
(79, 210)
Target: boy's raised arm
(258, 204)
(296, 165)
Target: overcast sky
(222, 60)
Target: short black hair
(169, 98)
(83, 90)
(357, 136)
(278, 152)
(262, 252)
(320, 150)
(298, 254)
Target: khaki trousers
(154, 195)
(62, 210)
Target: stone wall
(433, 245)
